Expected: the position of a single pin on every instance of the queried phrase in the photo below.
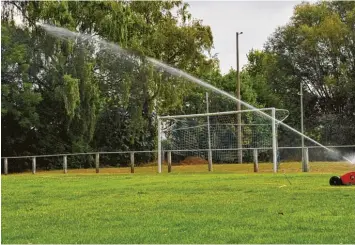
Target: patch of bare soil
(193, 161)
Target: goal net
(215, 137)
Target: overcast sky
(256, 19)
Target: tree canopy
(72, 96)
(315, 49)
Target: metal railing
(255, 154)
(65, 160)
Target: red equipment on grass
(346, 179)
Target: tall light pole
(239, 133)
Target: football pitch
(180, 207)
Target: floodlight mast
(239, 117)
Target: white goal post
(215, 132)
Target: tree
(106, 100)
(19, 96)
(316, 49)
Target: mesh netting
(190, 136)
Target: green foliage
(70, 94)
(316, 49)
(19, 96)
(93, 98)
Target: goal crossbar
(215, 113)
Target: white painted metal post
(97, 162)
(6, 167)
(209, 137)
(169, 161)
(256, 160)
(132, 162)
(274, 142)
(305, 160)
(65, 164)
(239, 116)
(33, 165)
(159, 145)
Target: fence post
(132, 162)
(256, 161)
(169, 161)
(65, 164)
(97, 162)
(305, 160)
(33, 165)
(6, 167)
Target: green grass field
(193, 206)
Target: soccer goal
(214, 136)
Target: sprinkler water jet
(159, 65)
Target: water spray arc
(180, 73)
(65, 33)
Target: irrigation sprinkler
(346, 179)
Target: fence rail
(78, 154)
(255, 152)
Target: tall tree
(316, 48)
(93, 97)
(20, 99)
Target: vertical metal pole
(277, 146)
(65, 164)
(159, 145)
(97, 162)
(6, 167)
(302, 129)
(256, 161)
(33, 165)
(209, 136)
(306, 160)
(274, 142)
(162, 156)
(169, 161)
(239, 116)
(132, 162)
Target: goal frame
(273, 125)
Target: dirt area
(193, 161)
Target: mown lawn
(180, 207)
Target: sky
(256, 19)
